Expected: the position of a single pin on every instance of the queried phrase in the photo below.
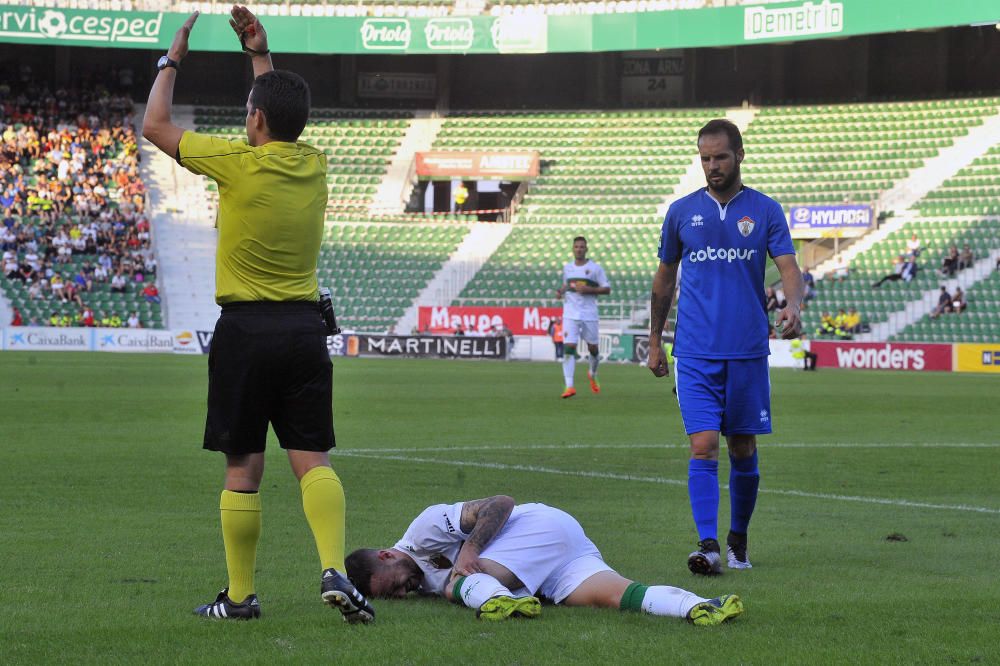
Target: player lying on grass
(498, 558)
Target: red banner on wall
(475, 165)
(520, 321)
(882, 355)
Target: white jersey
(433, 540)
(582, 306)
(541, 545)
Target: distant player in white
(498, 558)
(582, 282)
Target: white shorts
(574, 329)
(547, 550)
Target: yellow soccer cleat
(715, 611)
(569, 392)
(503, 607)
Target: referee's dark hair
(723, 126)
(284, 98)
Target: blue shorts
(730, 396)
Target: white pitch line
(764, 446)
(663, 481)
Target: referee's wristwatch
(165, 62)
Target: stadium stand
(76, 240)
(975, 190)
(376, 264)
(604, 175)
(607, 174)
(850, 153)
(978, 323)
(598, 167)
(875, 305)
(526, 269)
(358, 147)
(376, 270)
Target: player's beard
(726, 183)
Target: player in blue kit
(718, 240)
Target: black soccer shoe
(706, 561)
(736, 551)
(338, 592)
(224, 608)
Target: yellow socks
(240, 532)
(323, 503)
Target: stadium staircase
(476, 248)
(914, 323)
(397, 184)
(966, 149)
(183, 223)
(6, 312)
(979, 323)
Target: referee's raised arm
(157, 126)
(252, 38)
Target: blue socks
(703, 490)
(744, 478)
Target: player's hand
(468, 560)
(179, 47)
(657, 362)
(789, 322)
(248, 28)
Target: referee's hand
(179, 47)
(657, 362)
(248, 28)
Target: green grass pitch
(109, 532)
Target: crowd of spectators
(844, 325)
(949, 303)
(72, 200)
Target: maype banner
(829, 221)
(882, 355)
(977, 358)
(476, 165)
(437, 346)
(485, 319)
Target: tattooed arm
(664, 283)
(481, 520)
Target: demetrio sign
(691, 28)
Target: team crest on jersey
(745, 225)
(439, 561)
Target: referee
(269, 362)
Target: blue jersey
(723, 252)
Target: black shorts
(269, 364)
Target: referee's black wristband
(247, 49)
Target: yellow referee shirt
(272, 204)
